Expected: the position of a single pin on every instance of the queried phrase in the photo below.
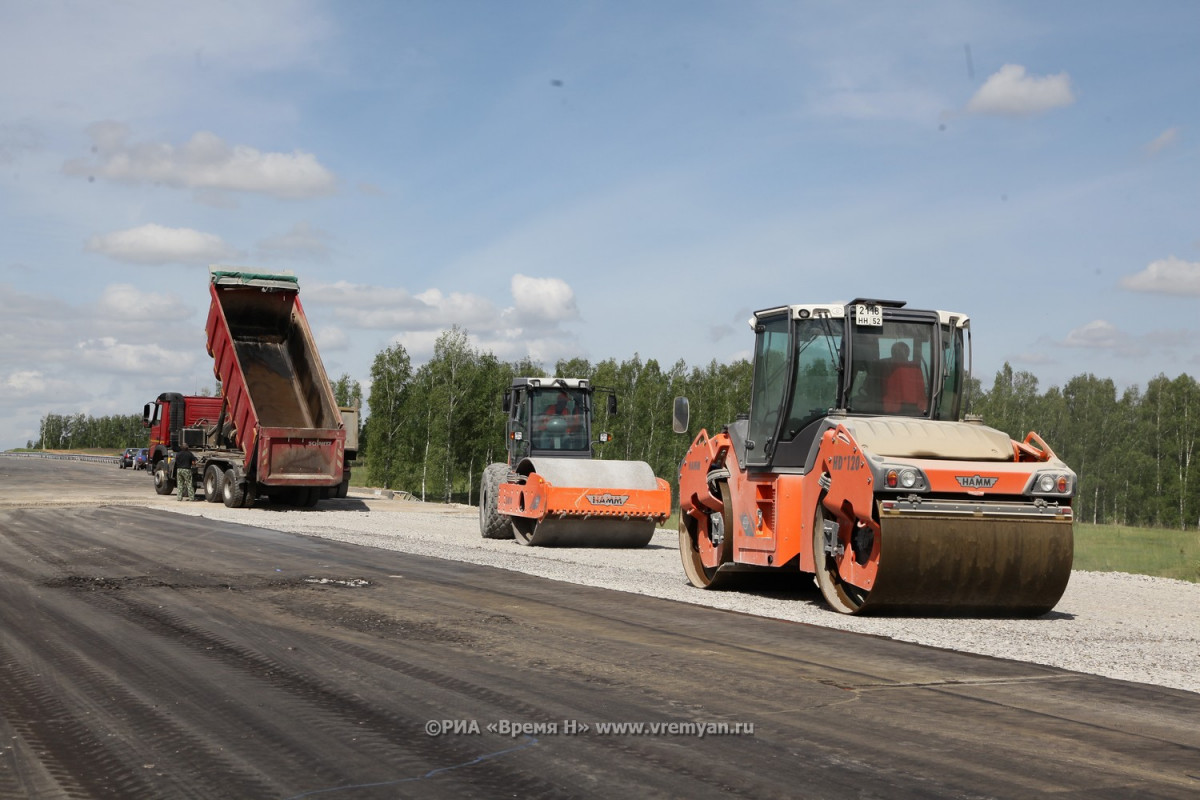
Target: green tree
(347, 392)
(391, 374)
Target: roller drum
(579, 531)
(971, 565)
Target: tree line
(84, 432)
(432, 429)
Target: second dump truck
(275, 430)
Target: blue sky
(590, 179)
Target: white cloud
(537, 303)
(303, 242)
(332, 338)
(125, 301)
(205, 163)
(107, 354)
(1099, 334)
(393, 308)
(1011, 92)
(1166, 276)
(1164, 140)
(543, 299)
(530, 327)
(155, 244)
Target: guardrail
(67, 457)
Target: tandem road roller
(553, 491)
(856, 465)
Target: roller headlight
(1053, 483)
(904, 478)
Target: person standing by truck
(184, 461)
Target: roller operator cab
(552, 417)
(854, 464)
(552, 491)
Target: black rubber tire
(343, 488)
(233, 491)
(163, 484)
(493, 524)
(214, 484)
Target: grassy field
(1143, 551)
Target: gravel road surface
(1117, 625)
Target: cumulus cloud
(125, 301)
(25, 384)
(543, 299)
(332, 338)
(1013, 93)
(108, 354)
(1098, 334)
(531, 326)
(303, 242)
(205, 163)
(155, 244)
(1166, 276)
(537, 302)
(1164, 140)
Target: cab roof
(838, 311)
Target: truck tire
(343, 488)
(214, 484)
(233, 491)
(163, 484)
(493, 524)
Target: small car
(127, 457)
(141, 460)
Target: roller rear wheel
(696, 547)
(493, 524)
(841, 596)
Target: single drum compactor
(553, 491)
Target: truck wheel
(343, 488)
(162, 482)
(233, 492)
(493, 524)
(214, 484)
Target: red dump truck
(276, 430)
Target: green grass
(1143, 551)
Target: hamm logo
(608, 499)
(975, 481)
